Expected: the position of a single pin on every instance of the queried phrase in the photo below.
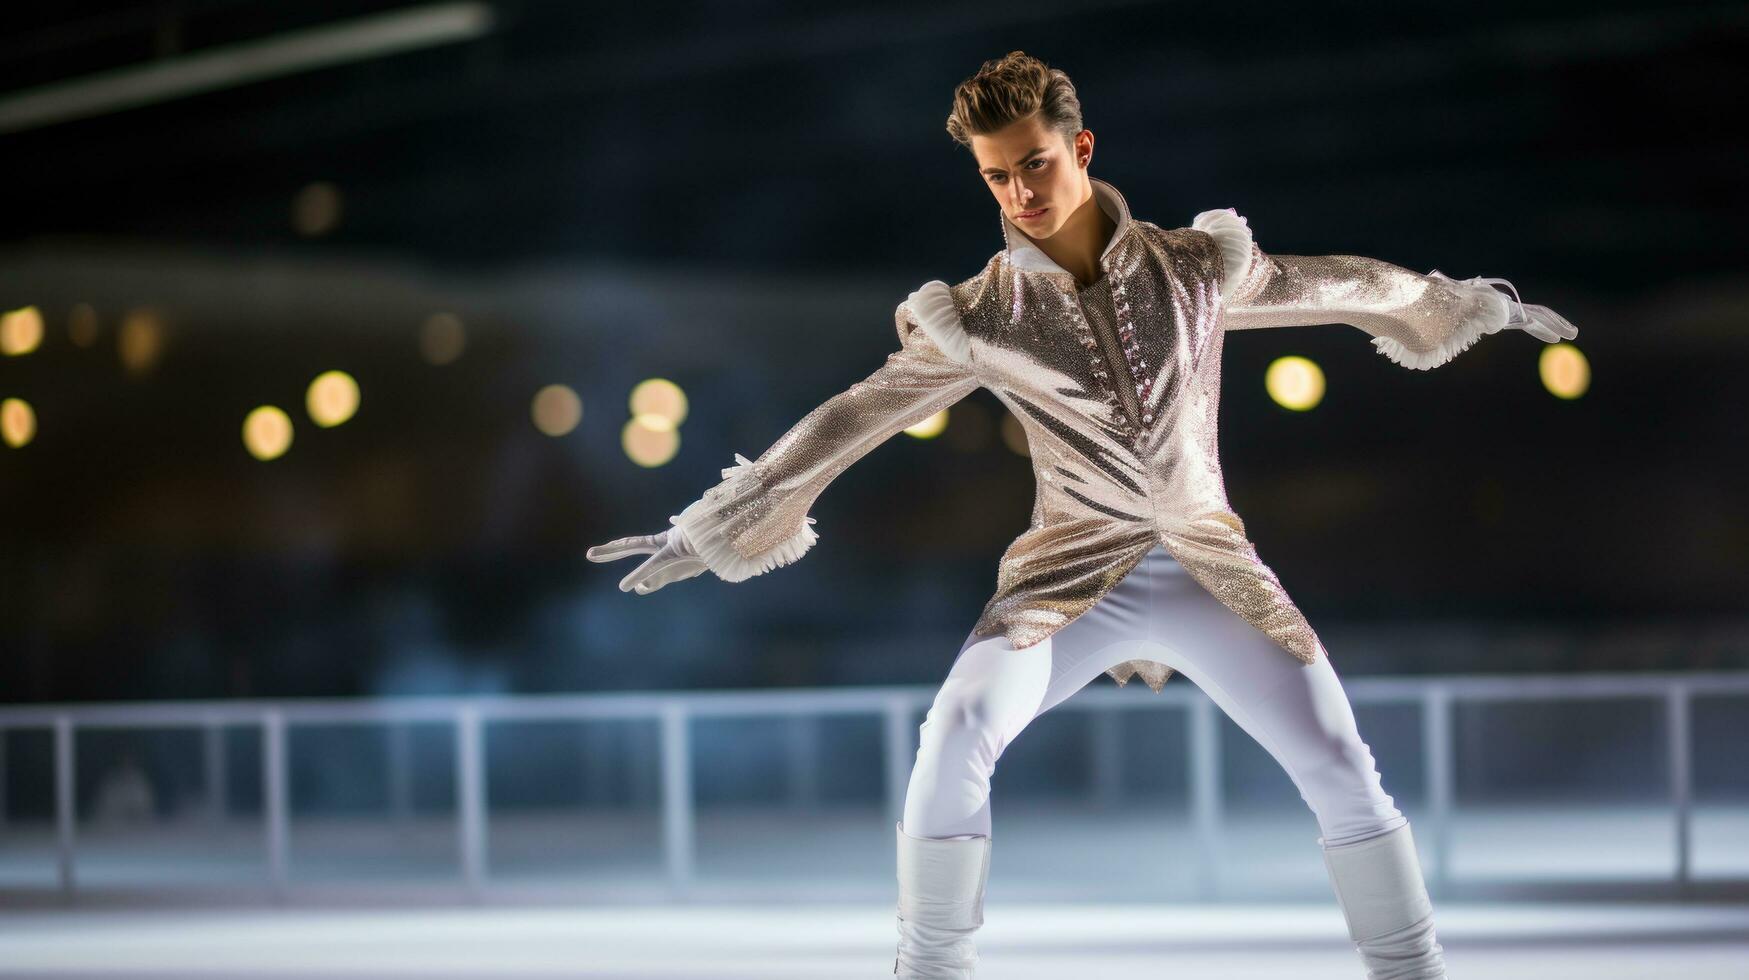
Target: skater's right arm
(1420, 321)
(756, 519)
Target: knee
(1343, 758)
(1340, 771)
(964, 711)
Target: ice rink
(823, 941)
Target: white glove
(673, 558)
(1539, 321)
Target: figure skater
(1102, 334)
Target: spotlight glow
(930, 427)
(21, 331)
(332, 398)
(556, 410)
(659, 396)
(649, 440)
(140, 341)
(1294, 382)
(17, 422)
(267, 432)
(1565, 370)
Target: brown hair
(1010, 88)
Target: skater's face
(1038, 177)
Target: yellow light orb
(930, 427)
(442, 338)
(331, 399)
(556, 410)
(1294, 382)
(17, 422)
(1565, 370)
(21, 331)
(140, 341)
(647, 446)
(267, 432)
(660, 423)
(1014, 435)
(82, 324)
(659, 396)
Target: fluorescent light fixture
(239, 64)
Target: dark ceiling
(1590, 141)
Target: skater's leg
(991, 693)
(1301, 715)
(1297, 711)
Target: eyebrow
(1035, 151)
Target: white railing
(898, 707)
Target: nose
(1021, 194)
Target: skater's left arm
(1418, 321)
(757, 519)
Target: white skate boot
(941, 904)
(1384, 901)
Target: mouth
(1029, 215)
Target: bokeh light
(556, 410)
(442, 338)
(659, 396)
(17, 422)
(650, 440)
(332, 398)
(930, 427)
(1294, 382)
(316, 209)
(140, 341)
(21, 331)
(267, 432)
(1565, 370)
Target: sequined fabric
(1117, 385)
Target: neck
(1078, 245)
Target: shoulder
(935, 307)
(1231, 235)
(1215, 246)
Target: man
(1102, 334)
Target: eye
(1040, 161)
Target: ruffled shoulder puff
(1232, 233)
(931, 304)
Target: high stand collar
(1026, 256)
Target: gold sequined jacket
(1116, 385)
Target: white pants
(1297, 711)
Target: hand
(673, 559)
(1539, 321)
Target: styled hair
(1011, 88)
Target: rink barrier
(898, 707)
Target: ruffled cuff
(932, 305)
(711, 537)
(1232, 233)
(1489, 315)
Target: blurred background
(334, 334)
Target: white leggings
(1297, 711)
